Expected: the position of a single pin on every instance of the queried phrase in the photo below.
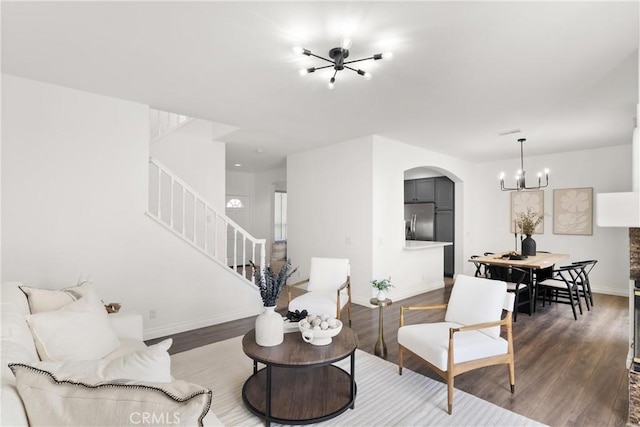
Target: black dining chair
(562, 288)
(480, 268)
(519, 282)
(583, 282)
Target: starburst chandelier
(338, 61)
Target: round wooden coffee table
(299, 384)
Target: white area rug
(384, 398)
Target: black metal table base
(300, 394)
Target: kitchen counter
(423, 244)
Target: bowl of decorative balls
(318, 330)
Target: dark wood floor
(568, 372)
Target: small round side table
(380, 348)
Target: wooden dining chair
(470, 336)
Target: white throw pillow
(79, 331)
(47, 300)
(153, 364)
(54, 402)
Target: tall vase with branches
(269, 324)
(527, 222)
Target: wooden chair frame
(346, 284)
(454, 369)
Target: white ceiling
(565, 73)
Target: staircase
(180, 209)
(162, 123)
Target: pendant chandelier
(520, 176)
(337, 61)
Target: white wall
(191, 154)
(74, 193)
(329, 196)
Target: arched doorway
(429, 210)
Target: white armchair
(469, 338)
(329, 288)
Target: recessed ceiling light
(259, 150)
(237, 165)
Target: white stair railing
(162, 123)
(183, 211)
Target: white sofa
(17, 346)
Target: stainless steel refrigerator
(419, 221)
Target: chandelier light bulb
(387, 55)
(546, 171)
(298, 50)
(367, 75)
(303, 72)
(501, 176)
(332, 82)
(346, 43)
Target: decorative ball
(324, 325)
(316, 328)
(316, 322)
(305, 324)
(333, 323)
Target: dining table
(536, 264)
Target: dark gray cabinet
(444, 193)
(444, 232)
(420, 190)
(445, 220)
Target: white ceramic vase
(382, 295)
(269, 328)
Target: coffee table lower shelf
(299, 395)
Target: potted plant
(527, 222)
(383, 286)
(269, 324)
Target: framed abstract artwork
(573, 211)
(523, 200)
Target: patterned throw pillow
(54, 402)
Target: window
(235, 204)
(280, 216)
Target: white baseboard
(163, 331)
(610, 291)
